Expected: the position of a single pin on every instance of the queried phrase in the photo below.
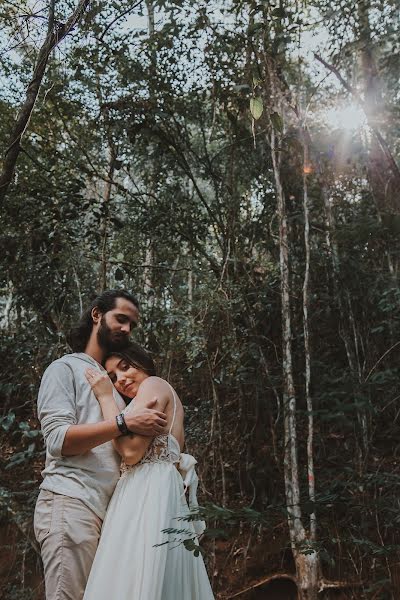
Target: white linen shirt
(65, 399)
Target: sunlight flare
(349, 117)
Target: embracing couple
(115, 477)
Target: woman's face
(124, 376)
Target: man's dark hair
(79, 335)
(136, 356)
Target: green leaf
(256, 107)
(33, 433)
(7, 421)
(190, 545)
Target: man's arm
(58, 419)
(56, 406)
(81, 438)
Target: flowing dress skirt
(128, 564)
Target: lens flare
(348, 117)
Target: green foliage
(256, 107)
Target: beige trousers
(68, 533)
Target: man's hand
(145, 420)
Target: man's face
(116, 325)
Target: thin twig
(285, 576)
(381, 358)
(118, 17)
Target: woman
(135, 559)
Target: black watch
(122, 426)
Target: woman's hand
(100, 384)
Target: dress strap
(174, 413)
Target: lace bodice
(163, 448)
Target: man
(82, 467)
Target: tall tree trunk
(149, 252)
(307, 564)
(307, 352)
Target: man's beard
(112, 342)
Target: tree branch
(53, 38)
(118, 17)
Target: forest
(235, 165)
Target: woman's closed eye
(113, 377)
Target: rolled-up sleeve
(56, 406)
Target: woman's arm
(131, 448)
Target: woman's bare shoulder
(155, 384)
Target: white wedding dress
(149, 498)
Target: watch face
(122, 425)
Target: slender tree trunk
(307, 569)
(9, 302)
(307, 353)
(149, 253)
(106, 219)
(307, 564)
(53, 38)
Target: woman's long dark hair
(79, 335)
(137, 357)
